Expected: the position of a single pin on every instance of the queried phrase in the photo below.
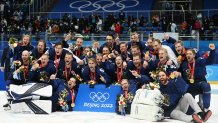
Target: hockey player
(181, 52)
(107, 55)
(135, 50)
(137, 74)
(157, 46)
(42, 72)
(98, 58)
(164, 61)
(123, 51)
(6, 61)
(39, 50)
(63, 95)
(128, 96)
(56, 54)
(136, 42)
(16, 51)
(68, 68)
(194, 72)
(20, 71)
(94, 73)
(177, 100)
(115, 70)
(149, 46)
(110, 43)
(78, 49)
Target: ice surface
(89, 117)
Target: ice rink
(89, 117)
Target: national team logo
(99, 96)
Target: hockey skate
(206, 115)
(196, 119)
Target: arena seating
(210, 5)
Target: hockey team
(180, 72)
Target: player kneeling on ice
(174, 89)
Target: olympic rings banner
(97, 99)
(102, 5)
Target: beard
(40, 50)
(164, 81)
(25, 60)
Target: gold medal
(109, 56)
(172, 76)
(72, 104)
(191, 81)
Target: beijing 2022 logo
(99, 96)
(103, 5)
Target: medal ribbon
(72, 95)
(184, 54)
(78, 52)
(67, 72)
(192, 69)
(57, 59)
(93, 75)
(25, 70)
(126, 94)
(119, 74)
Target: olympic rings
(88, 6)
(101, 97)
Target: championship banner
(97, 99)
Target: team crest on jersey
(102, 70)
